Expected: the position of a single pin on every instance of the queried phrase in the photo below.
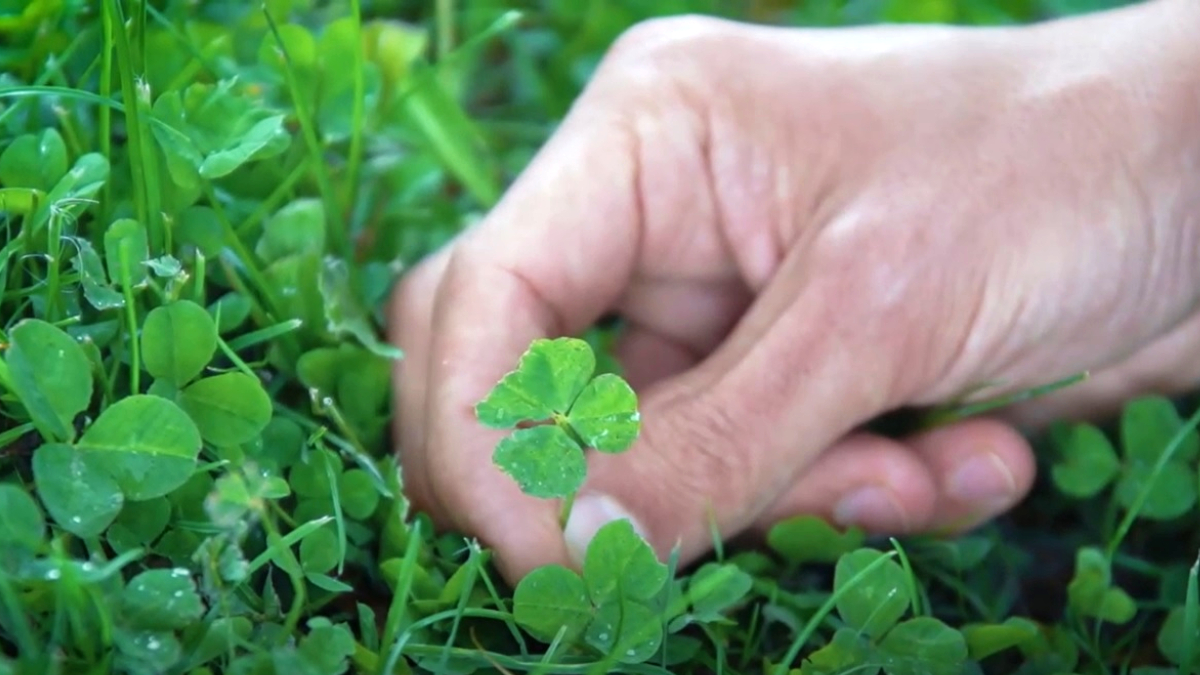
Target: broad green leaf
(139, 523)
(267, 136)
(549, 599)
(357, 491)
(222, 636)
(1148, 424)
(325, 650)
(1173, 639)
(626, 630)
(146, 443)
(126, 247)
(178, 340)
(51, 375)
(319, 551)
(90, 268)
(543, 460)
(146, 651)
(808, 538)
(875, 602)
(846, 652)
(619, 564)
(1088, 462)
(548, 378)
(21, 521)
(983, 640)
(161, 599)
(714, 589)
(230, 311)
(605, 415)
(345, 313)
(923, 646)
(78, 493)
(960, 553)
(297, 228)
(35, 161)
(228, 409)
(1170, 494)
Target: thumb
(720, 442)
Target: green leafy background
(205, 204)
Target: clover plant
(570, 409)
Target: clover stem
(561, 422)
(565, 514)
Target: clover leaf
(610, 607)
(554, 389)
(874, 602)
(923, 645)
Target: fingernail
(590, 513)
(984, 480)
(872, 505)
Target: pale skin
(805, 229)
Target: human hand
(805, 229)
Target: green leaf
(1148, 424)
(126, 247)
(1091, 593)
(145, 443)
(846, 652)
(1169, 495)
(139, 523)
(875, 602)
(807, 538)
(319, 551)
(51, 375)
(78, 493)
(357, 491)
(34, 161)
(923, 646)
(178, 340)
(146, 652)
(229, 409)
(984, 640)
(619, 565)
(90, 268)
(1088, 462)
(549, 599)
(21, 521)
(548, 378)
(543, 460)
(161, 599)
(1173, 639)
(626, 630)
(345, 313)
(298, 228)
(712, 590)
(266, 137)
(605, 415)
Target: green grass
(207, 202)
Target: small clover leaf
(875, 601)
(178, 340)
(983, 640)
(21, 521)
(605, 415)
(51, 375)
(846, 652)
(1088, 462)
(923, 646)
(161, 598)
(543, 460)
(228, 409)
(76, 490)
(1092, 594)
(552, 598)
(549, 377)
(806, 538)
(628, 631)
(619, 564)
(145, 443)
